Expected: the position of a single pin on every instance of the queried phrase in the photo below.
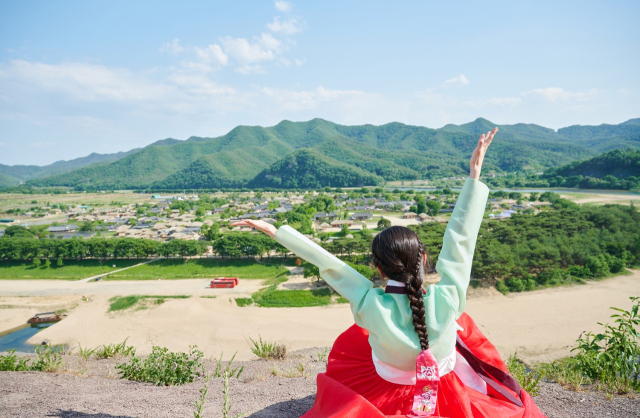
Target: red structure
(224, 282)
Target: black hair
(398, 252)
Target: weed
(297, 371)
(268, 351)
(198, 413)
(529, 380)
(565, 373)
(48, 358)
(226, 403)
(322, 355)
(163, 367)
(114, 350)
(208, 297)
(236, 371)
(86, 352)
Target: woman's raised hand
(259, 225)
(478, 155)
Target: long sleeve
(343, 278)
(459, 242)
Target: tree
(59, 263)
(311, 271)
(36, 262)
(344, 231)
(47, 263)
(384, 223)
(434, 207)
(17, 231)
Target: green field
(161, 269)
(203, 268)
(72, 270)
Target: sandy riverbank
(541, 325)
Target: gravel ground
(266, 389)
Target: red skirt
(351, 387)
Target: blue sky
(104, 76)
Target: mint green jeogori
(388, 317)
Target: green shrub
(611, 357)
(502, 288)
(514, 284)
(163, 367)
(268, 351)
(10, 362)
(244, 301)
(48, 358)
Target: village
(184, 216)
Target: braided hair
(398, 252)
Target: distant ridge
(365, 154)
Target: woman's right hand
(478, 155)
(259, 225)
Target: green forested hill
(309, 168)
(618, 163)
(366, 153)
(20, 173)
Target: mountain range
(322, 153)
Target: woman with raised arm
(412, 352)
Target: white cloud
(289, 26)
(264, 48)
(250, 69)
(283, 6)
(557, 94)
(2, 144)
(172, 47)
(299, 62)
(461, 79)
(212, 53)
(88, 82)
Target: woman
(412, 352)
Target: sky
(78, 77)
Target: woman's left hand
(259, 225)
(478, 155)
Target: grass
(271, 297)
(72, 269)
(119, 303)
(114, 350)
(342, 299)
(208, 297)
(205, 268)
(528, 379)
(268, 351)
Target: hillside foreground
(541, 325)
